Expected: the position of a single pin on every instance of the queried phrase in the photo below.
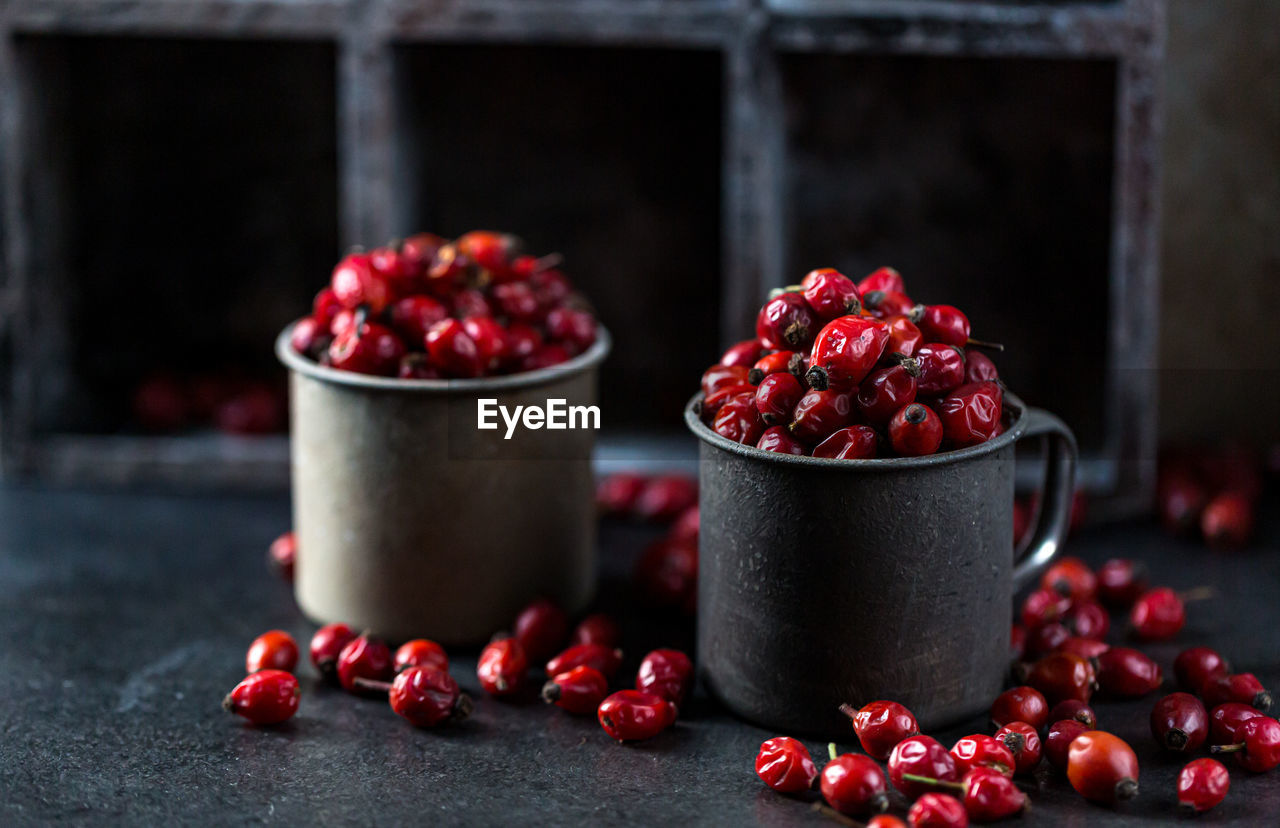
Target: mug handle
(1059, 484)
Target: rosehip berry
(452, 350)
(777, 362)
(885, 303)
(1086, 619)
(273, 650)
(522, 342)
(1102, 767)
(264, 698)
(1227, 520)
(367, 348)
(343, 321)
(941, 369)
(419, 251)
(310, 337)
(420, 652)
(744, 353)
(1061, 676)
(667, 573)
(920, 756)
(541, 628)
(616, 494)
(364, 657)
(282, 555)
(355, 283)
(981, 751)
(739, 420)
(602, 658)
(944, 323)
(1158, 615)
(885, 391)
(1202, 785)
(1195, 666)
(709, 407)
(1238, 687)
(904, 336)
(784, 764)
(1058, 739)
(853, 443)
(1020, 704)
(786, 323)
(1127, 673)
(883, 278)
(885, 821)
(830, 293)
(491, 251)
(988, 794)
(326, 645)
(632, 715)
(778, 439)
(413, 316)
(665, 673)
(579, 690)
(776, 397)
(1225, 721)
(427, 696)
(1045, 639)
(325, 307)
(490, 339)
(1044, 606)
(1071, 578)
(388, 264)
(517, 301)
(1074, 709)
(845, 351)
(551, 288)
(1257, 746)
(1023, 742)
(686, 526)
(854, 785)
(978, 367)
(718, 377)
(819, 414)
(881, 725)
(915, 431)
(1179, 723)
(1084, 647)
(575, 329)
(936, 810)
(597, 628)
(449, 269)
(1121, 582)
(503, 667)
(666, 496)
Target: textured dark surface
(125, 618)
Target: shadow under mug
(824, 582)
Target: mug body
(824, 582)
(412, 522)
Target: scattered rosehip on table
(326, 646)
(503, 667)
(784, 764)
(1202, 785)
(881, 725)
(264, 698)
(420, 652)
(633, 715)
(1102, 767)
(854, 785)
(579, 690)
(273, 650)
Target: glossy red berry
(970, 413)
(632, 715)
(355, 283)
(666, 496)
(503, 667)
(364, 657)
(1202, 785)
(944, 323)
(937, 810)
(326, 645)
(666, 673)
(786, 323)
(1102, 767)
(273, 650)
(830, 293)
(1121, 582)
(1244, 688)
(597, 628)
(1074, 709)
(819, 414)
(777, 362)
(282, 555)
(1061, 676)
(978, 367)
(367, 348)
(1047, 638)
(1195, 666)
(522, 343)
(920, 756)
(784, 764)
(602, 658)
(1086, 619)
(776, 397)
(575, 329)
(1086, 647)
(1225, 720)
(1044, 606)
(915, 431)
(616, 494)
(885, 821)
(979, 750)
(709, 406)
(777, 439)
(739, 420)
(885, 303)
(264, 698)
(517, 301)
(719, 377)
(452, 350)
(427, 696)
(988, 795)
(1058, 739)
(541, 628)
(1023, 741)
(667, 573)
(845, 351)
(579, 690)
(325, 307)
(881, 725)
(419, 250)
(490, 339)
(1227, 520)
(1127, 673)
(1020, 704)
(1257, 746)
(904, 337)
(857, 442)
(1179, 723)
(310, 337)
(854, 785)
(1158, 615)
(413, 316)
(420, 652)
(885, 391)
(941, 369)
(1071, 578)
(744, 353)
(883, 278)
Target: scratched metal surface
(124, 619)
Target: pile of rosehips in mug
(1048, 716)
(854, 371)
(415, 679)
(428, 308)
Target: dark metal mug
(824, 582)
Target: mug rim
(708, 436)
(588, 359)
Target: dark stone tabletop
(125, 618)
